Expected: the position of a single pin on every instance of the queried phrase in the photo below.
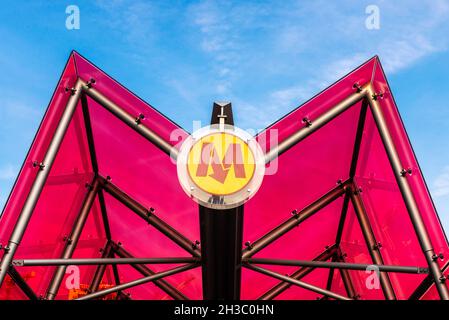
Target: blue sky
(266, 57)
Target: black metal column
(221, 238)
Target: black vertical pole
(221, 238)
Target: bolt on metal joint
(72, 90)
(377, 246)
(295, 214)
(408, 171)
(90, 83)
(139, 119)
(39, 164)
(150, 212)
(358, 87)
(307, 121)
(438, 256)
(195, 245)
(67, 239)
(377, 96)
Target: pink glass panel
(408, 159)
(127, 100)
(135, 165)
(321, 159)
(304, 173)
(37, 151)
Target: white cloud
(311, 44)
(8, 172)
(402, 53)
(288, 97)
(441, 183)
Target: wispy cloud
(292, 49)
(441, 183)
(218, 40)
(8, 172)
(400, 43)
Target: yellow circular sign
(220, 163)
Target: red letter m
(209, 156)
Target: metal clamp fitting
(195, 245)
(38, 164)
(72, 90)
(307, 122)
(377, 96)
(358, 87)
(90, 83)
(139, 119)
(404, 172)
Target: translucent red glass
(304, 173)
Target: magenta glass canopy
(99, 144)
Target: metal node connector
(377, 96)
(67, 239)
(295, 213)
(90, 83)
(71, 90)
(139, 119)
(408, 171)
(40, 165)
(358, 87)
(150, 213)
(195, 245)
(307, 122)
(438, 256)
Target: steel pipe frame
(50, 156)
(296, 282)
(21, 283)
(94, 162)
(330, 277)
(102, 261)
(145, 271)
(130, 120)
(107, 250)
(353, 167)
(162, 284)
(347, 282)
(316, 124)
(117, 276)
(39, 181)
(71, 243)
(337, 265)
(425, 285)
(346, 277)
(100, 270)
(371, 242)
(151, 218)
(295, 220)
(407, 194)
(137, 282)
(298, 275)
(368, 91)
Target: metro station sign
(220, 166)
